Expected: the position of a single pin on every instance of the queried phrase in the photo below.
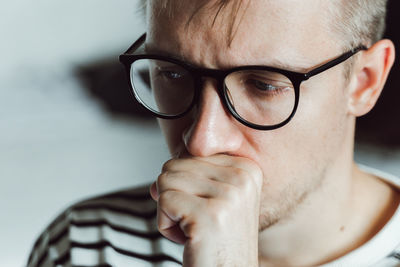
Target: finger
(174, 207)
(169, 228)
(212, 162)
(187, 164)
(153, 191)
(233, 161)
(238, 164)
(188, 182)
(240, 172)
(202, 168)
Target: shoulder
(93, 231)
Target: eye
(172, 75)
(263, 86)
(270, 88)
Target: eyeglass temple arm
(334, 62)
(136, 44)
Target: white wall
(57, 145)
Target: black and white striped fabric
(120, 229)
(117, 229)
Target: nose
(213, 130)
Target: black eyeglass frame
(136, 52)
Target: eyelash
(270, 91)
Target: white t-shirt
(120, 229)
(383, 250)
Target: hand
(211, 205)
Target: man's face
(291, 34)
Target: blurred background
(69, 128)
(60, 141)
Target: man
(257, 101)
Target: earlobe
(369, 77)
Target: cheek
(300, 152)
(323, 108)
(322, 117)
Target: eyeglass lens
(258, 96)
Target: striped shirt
(120, 229)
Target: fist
(211, 205)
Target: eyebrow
(275, 64)
(156, 51)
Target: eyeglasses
(259, 97)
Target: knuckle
(230, 192)
(162, 179)
(218, 213)
(250, 166)
(167, 165)
(165, 198)
(243, 180)
(238, 173)
(247, 184)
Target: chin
(277, 206)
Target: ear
(369, 77)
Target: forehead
(256, 32)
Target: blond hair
(354, 22)
(358, 21)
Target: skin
(235, 196)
